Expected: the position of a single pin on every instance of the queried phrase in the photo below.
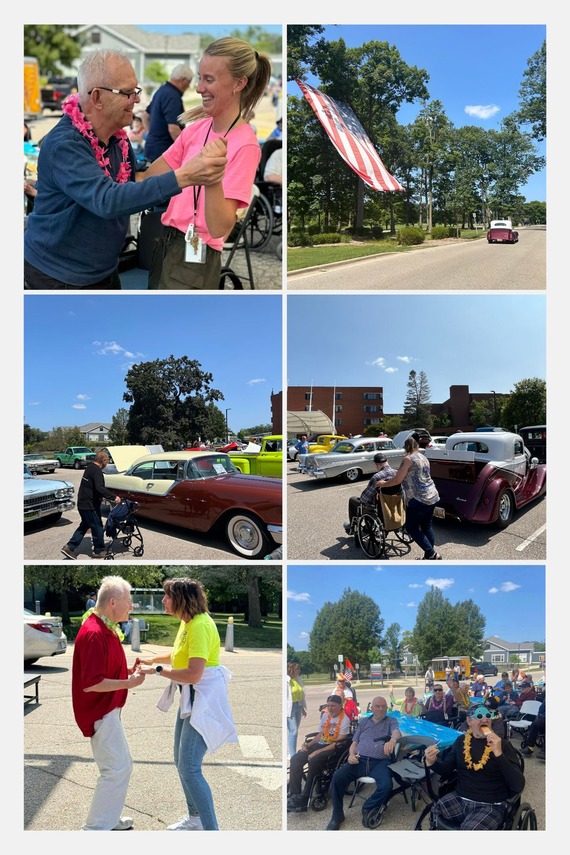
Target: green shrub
(299, 239)
(439, 232)
(411, 236)
(332, 237)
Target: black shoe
(69, 553)
(528, 751)
(435, 557)
(335, 823)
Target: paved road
(399, 815)
(469, 265)
(316, 511)
(246, 778)
(43, 540)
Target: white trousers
(112, 755)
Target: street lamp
(227, 429)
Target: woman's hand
(430, 754)
(215, 148)
(144, 661)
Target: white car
(38, 464)
(438, 441)
(43, 636)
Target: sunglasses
(482, 715)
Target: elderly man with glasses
(488, 773)
(87, 188)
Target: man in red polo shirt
(99, 685)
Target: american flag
(350, 140)
(348, 670)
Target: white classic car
(38, 464)
(350, 458)
(485, 477)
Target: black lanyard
(197, 190)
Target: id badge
(195, 249)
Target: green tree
(393, 645)
(119, 430)
(301, 39)
(393, 425)
(235, 581)
(349, 627)
(256, 430)
(532, 94)
(373, 430)
(417, 406)
(68, 577)
(156, 71)
(54, 46)
(33, 435)
(470, 630)
(436, 630)
(526, 404)
(482, 413)
(515, 160)
(60, 437)
(170, 399)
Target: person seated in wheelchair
(409, 704)
(459, 691)
(488, 773)
(334, 727)
(368, 496)
(438, 708)
(370, 754)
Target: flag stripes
(350, 140)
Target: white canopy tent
(312, 422)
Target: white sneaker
(187, 823)
(124, 824)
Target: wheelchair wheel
(370, 535)
(260, 224)
(419, 826)
(403, 536)
(319, 802)
(525, 819)
(373, 818)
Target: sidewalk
(246, 778)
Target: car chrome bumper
(276, 532)
(316, 473)
(56, 508)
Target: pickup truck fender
(242, 464)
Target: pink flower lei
(71, 108)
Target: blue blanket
(410, 725)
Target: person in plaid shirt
(383, 472)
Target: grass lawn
(163, 628)
(299, 258)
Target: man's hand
(389, 747)
(494, 741)
(353, 758)
(135, 679)
(201, 170)
(430, 754)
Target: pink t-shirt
(244, 154)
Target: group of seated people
(486, 765)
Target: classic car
(501, 231)
(292, 450)
(534, 438)
(260, 459)
(77, 456)
(324, 443)
(423, 436)
(38, 464)
(203, 491)
(43, 636)
(350, 458)
(44, 497)
(436, 441)
(484, 477)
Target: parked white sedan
(43, 636)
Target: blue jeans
(293, 722)
(189, 751)
(418, 524)
(377, 769)
(89, 520)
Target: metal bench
(32, 680)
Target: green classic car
(265, 459)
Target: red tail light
(42, 627)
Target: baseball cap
(380, 458)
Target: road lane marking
(255, 746)
(530, 539)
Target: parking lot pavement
(399, 816)
(246, 778)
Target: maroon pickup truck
(502, 231)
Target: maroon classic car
(203, 491)
(501, 231)
(485, 477)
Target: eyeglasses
(483, 715)
(134, 94)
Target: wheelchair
(519, 815)
(319, 794)
(379, 529)
(266, 218)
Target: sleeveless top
(418, 481)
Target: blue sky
(503, 592)
(474, 70)
(78, 348)
(479, 340)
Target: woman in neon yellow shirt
(204, 721)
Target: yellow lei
(327, 735)
(467, 754)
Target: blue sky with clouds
(474, 70)
(480, 340)
(511, 597)
(78, 348)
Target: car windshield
(211, 466)
(32, 457)
(81, 450)
(343, 447)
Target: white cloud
(415, 585)
(406, 359)
(442, 584)
(111, 348)
(379, 362)
(292, 595)
(78, 407)
(391, 370)
(410, 605)
(83, 397)
(507, 587)
(256, 380)
(304, 635)
(482, 111)
(34, 404)
(493, 590)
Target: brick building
(351, 408)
